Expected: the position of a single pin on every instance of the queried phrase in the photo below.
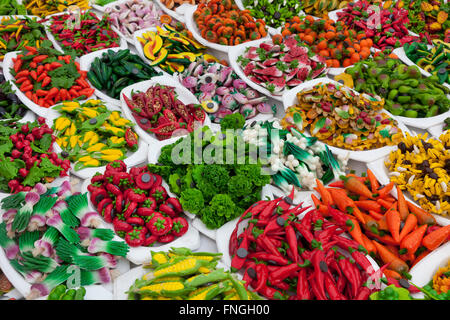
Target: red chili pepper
(135, 220)
(264, 256)
(103, 203)
(319, 264)
(303, 292)
(239, 258)
(351, 273)
(271, 293)
(119, 203)
(304, 232)
(144, 180)
(331, 288)
(283, 272)
(262, 276)
(136, 237)
(363, 293)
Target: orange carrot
(386, 239)
(368, 244)
(356, 232)
(326, 196)
(393, 222)
(392, 274)
(413, 241)
(385, 190)
(368, 205)
(422, 215)
(385, 204)
(343, 202)
(434, 239)
(395, 263)
(353, 184)
(410, 225)
(377, 216)
(382, 224)
(402, 206)
(319, 205)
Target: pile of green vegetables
(406, 91)
(395, 293)
(117, 70)
(274, 12)
(9, 7)
(435, 61)
(61, 292)
(217, 193)
(10, 105)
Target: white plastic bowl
(424, 270)
(382, 174)
(192, 27)
(122, 44)
(178, 13)
(102, 8)
(436, 130)
(16, 17)
(140, 255)
(37, 109)
(85, 64)
(184, 95)
(224, 234)
(153, 154)
(123, 283)
(130, 39)
(237, 51)
(290, 99)
(132, 159)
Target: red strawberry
(180, 226)
(159, 193)
(136, 237)
(159, 226)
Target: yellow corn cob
(204, 270)
(165, 279)
(200, 294)
(96, 147)
(166, 286)
(159, 257)
(179, 266)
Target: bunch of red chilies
(287, 258)
(90, 35)
(389, 31)
(137, 205)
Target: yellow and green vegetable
(92, 135)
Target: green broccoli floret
(232, 121)
(239, 186)
(192, 200)
(221, 209)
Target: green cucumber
(94, 80)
